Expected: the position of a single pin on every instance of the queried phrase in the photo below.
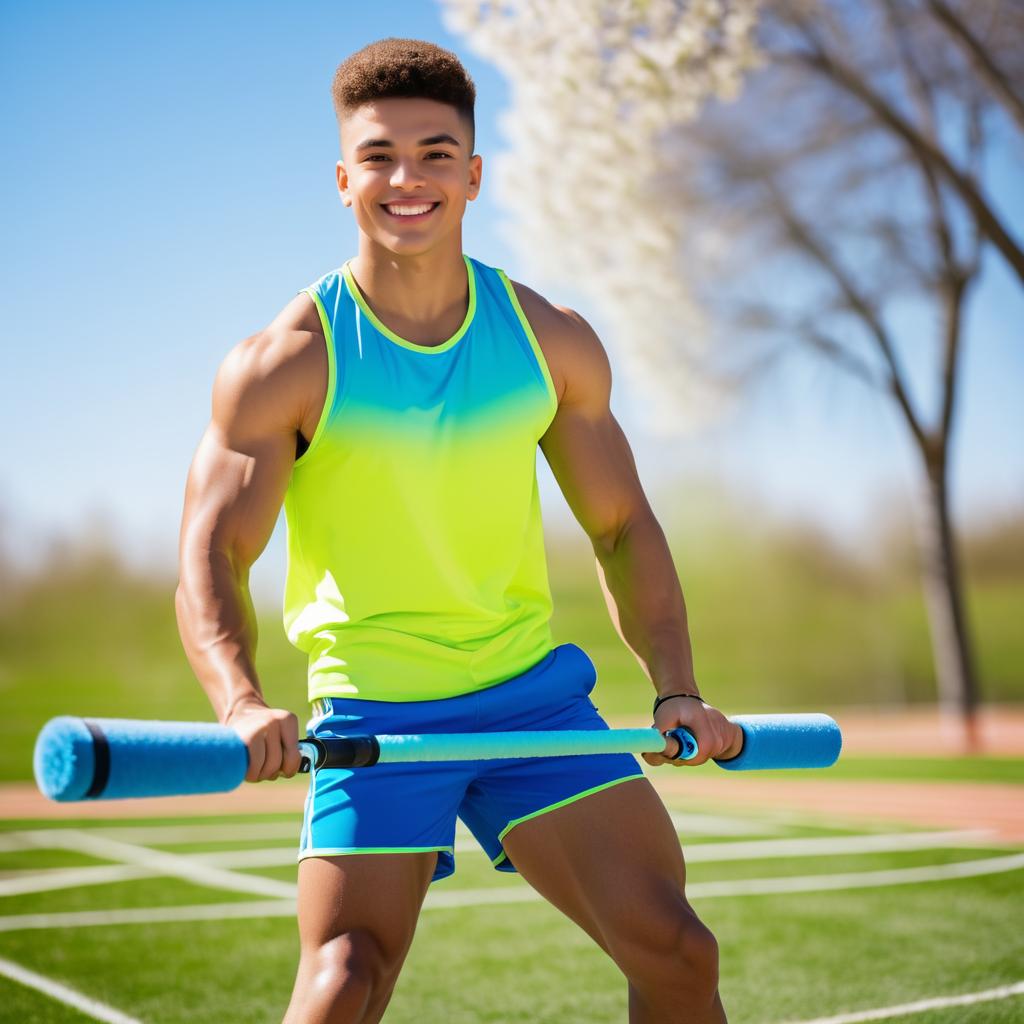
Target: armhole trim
(332, 376)
(532, 338)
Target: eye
(384, 156)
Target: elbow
(605, 542)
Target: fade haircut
(404, 67)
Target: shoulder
(575, 354)
(271, 378)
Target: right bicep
(242, 466)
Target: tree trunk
(944, 598)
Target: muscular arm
(233, 495)
(591, 459)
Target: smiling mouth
(411, 217)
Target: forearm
(217, 624)
(645, 602)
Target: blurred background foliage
(781, 616)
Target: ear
(475, 175)
(342, 176)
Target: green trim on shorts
(561, 803)
(341, 851)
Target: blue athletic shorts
(411, 807)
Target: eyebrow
(434, 140)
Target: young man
(394, 407)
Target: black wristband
(669, 696)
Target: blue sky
(168, 184)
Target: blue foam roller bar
(488, 745)
(786, 741)
(115, 758)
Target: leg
(611, 862)
(357, 916)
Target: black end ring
(101, 760)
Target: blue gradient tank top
(416, 564)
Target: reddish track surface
(925, 733)
(997, 806)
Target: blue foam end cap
(143, 758)
(786, 741)
(63, 759)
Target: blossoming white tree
(595, 86)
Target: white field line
(824, 846)
(858, 879)
(715, 825)
(55, 990)
(11, 842)
(149, 915)
(160, 835)
(73, 878)
(697, 824)
(171, 864)
(68, 878)
(922, 1006)
(523, 894)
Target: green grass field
(485, 951)
(838, 923)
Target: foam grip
(114, 758)
(786, 741)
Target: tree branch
(979, 56)
(921, 90)
(844, 358)
(951, 349)
(804, 238)
(923, 149)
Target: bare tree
(859, 151)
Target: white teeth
(409, 211)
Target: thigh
(374, 895)
(553, 697)
(611, 861)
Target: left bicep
(584, 445)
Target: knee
(698, 950)
(348, 974)
(671, 950)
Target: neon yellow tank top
(416, 565)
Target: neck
(426, 289)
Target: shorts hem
(561, 803)
(340, 851)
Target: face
(393, 158)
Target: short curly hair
(404, 67)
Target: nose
(406, 174)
